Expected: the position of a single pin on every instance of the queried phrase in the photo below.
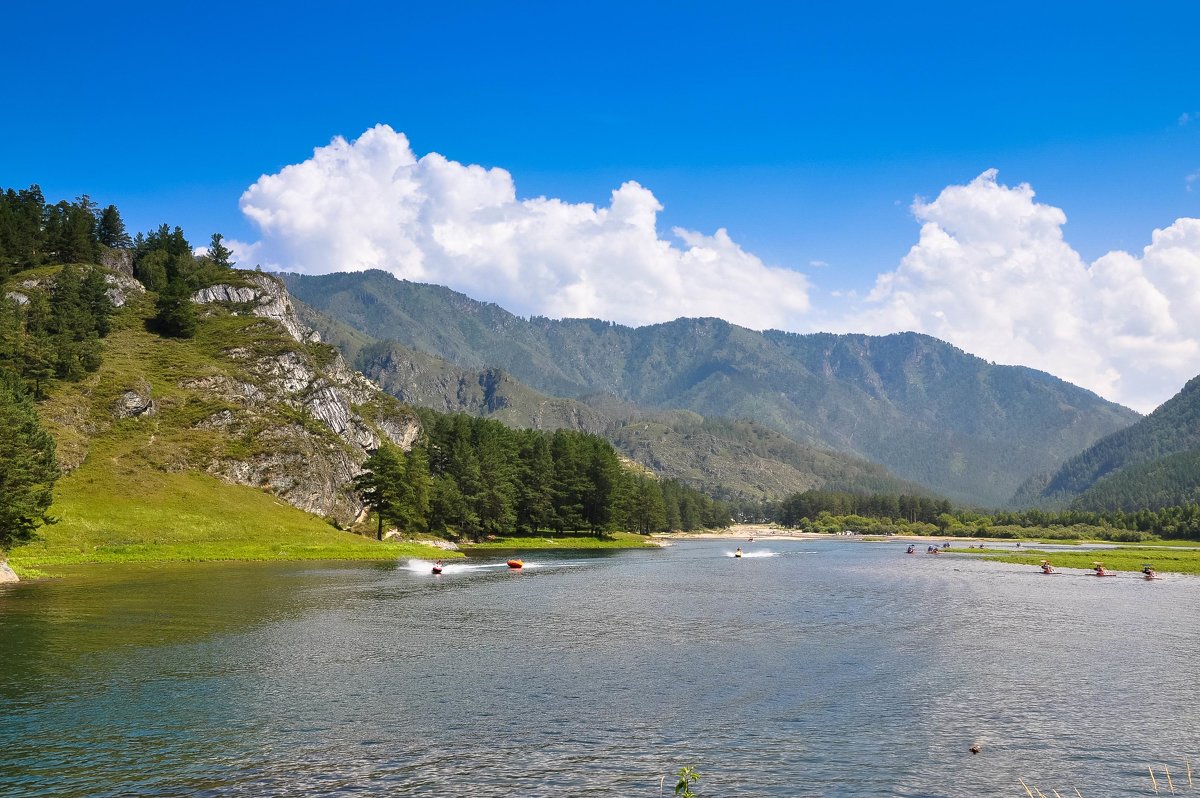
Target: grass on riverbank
(582, 540)
(1126, 558)
(108, 515)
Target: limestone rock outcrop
(119, 261)
(136, 401)
(312, 463)
(120, 287)
(268, 299)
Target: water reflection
(833, 668)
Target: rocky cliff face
(337, 416)
(266, 298)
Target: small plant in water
(687, 777)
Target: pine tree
(219, 253)
(111, 229)
(22, 218)
(379, 484)
(414, 492)
(535, 502)
(99, 306)
(646, 511)
(176, 316)
(28, 469)
(70, 231)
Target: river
(827, 668)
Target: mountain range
(740, 460)
(929, 413)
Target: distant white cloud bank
(372, 203)
(990, 273)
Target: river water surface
(826, 668)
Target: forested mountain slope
(1154, 463)
(732, 460)
(929, 412)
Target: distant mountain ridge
(1154, 463)
(931, 413)
(730, 460)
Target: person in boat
(1149, 572)
(911, 548)
(1099, 569)
(1047, 568)
(738, 553)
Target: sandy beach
(765, 532)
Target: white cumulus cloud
(991, 271)
(993, 274)
(372, 203)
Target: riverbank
(616, 540)
(34, 561)
(741, 532)
(764, 532)
(1164, 559)
(190, 517)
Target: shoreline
(759, 531)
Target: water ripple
(830, 669)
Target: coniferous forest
(478, 477)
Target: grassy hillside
(137, 513)
(929, 412)
(143, 440)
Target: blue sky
(804, 130)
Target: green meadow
(112, 515)
(1162, 558)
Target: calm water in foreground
(829, 668)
